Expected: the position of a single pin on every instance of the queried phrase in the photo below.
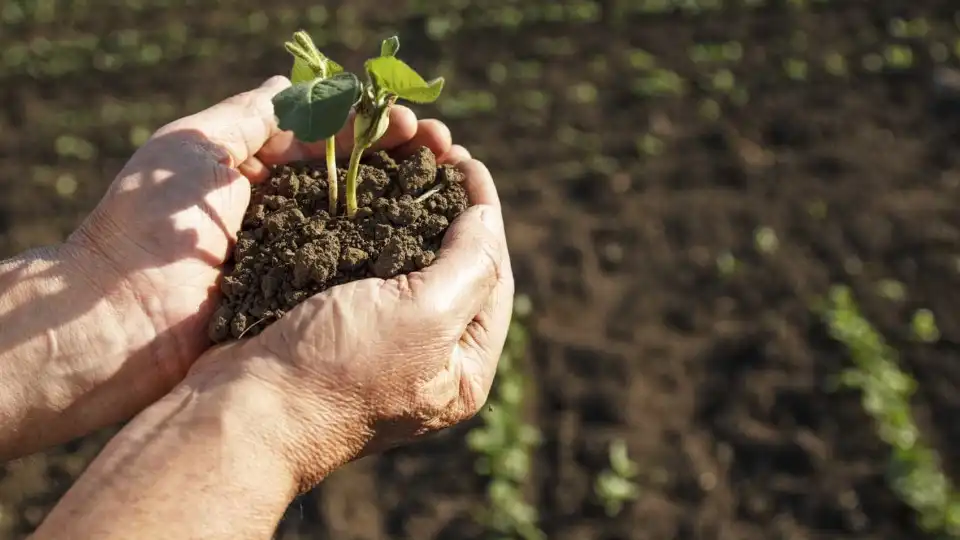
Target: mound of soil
(290, 247)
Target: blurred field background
(735, 225)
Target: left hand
(154, 246)
(374, 363)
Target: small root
(430, 193)
(247, 329)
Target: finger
(431, 133)
(254, 170)
(482, 343)
(233, 130)
(285, 148)
(479, 183)
(468, 265)
(455, 156)
(403, 127)
(483, 340)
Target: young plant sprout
(317, 108)
(309, 64)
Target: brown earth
(289, 247)
(719, 382)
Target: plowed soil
(716, 375)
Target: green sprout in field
(310, 64)
(506, 443)
(615, 486)
(318, 107)
(915, 471)
(924, 326)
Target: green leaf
(298, 52)
(303, 48)
(310, 64)
(428, 94)
(301, 72)
(390, 46)
(333, 68)
(392, 75)
(305, 42)
(317, 109)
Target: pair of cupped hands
(354, 370)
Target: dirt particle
(449, 174)
(220, 323)
(397, 257)
(432, 225)
(402, 211)
(283, 220)
(373, 184)
(293, 297)
(244, 247)
(418, 172)
(286, 256)
(449, 203)
(316, 260)
(233, 286)
(274, 202)
(353, 258)
(289, 186)
(382, 231)
(424, 259)
(270, 283)
(382, 160)
(254, 216)
(238, 325)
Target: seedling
(317, 108)
(915, 472)
(506, 443)
(616, 486)
(310, 64)
(924, 326)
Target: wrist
(61, 341)
(202, 462)
(312, 435)
(244, 413)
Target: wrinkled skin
(375, 363)
(362, 366)
(169, 219)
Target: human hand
(374, 363)
(353, 370)
(154, 246)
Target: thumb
(235, 129)
(467, 268)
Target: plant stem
(332, 193)
(352, 174)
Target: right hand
(374, 363)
